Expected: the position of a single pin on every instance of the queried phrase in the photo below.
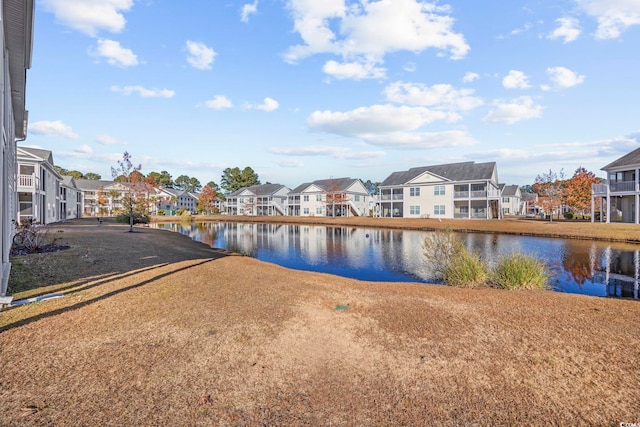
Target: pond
(577, 266)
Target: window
(357, 197)
(414, 210)
(306, 211)
(318, 197)
(305, 199)
(505, 200)
(414, 191)
(319, 211)
(438, 210)
(439, 190)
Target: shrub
(519, 271)
(568, 215)
(138, 218)
(160, 212)
(440, 249)
(466, 270)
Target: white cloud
(52, 128)
(268, 105)
(440, 96)
(144, 92)
(421, 140)
(370, 30)
(584, 153)
(354, 70)
(219, 102)
(390, 126)
(289, 163)
(327, 151)
(470, 77)
(614, 16)
(564, 78)
(115, 54)
(568, 29)
(84, 149)
(90, 16)
(516, 80)
(375, 119)
(410, 67)
(525, 28)
(522, 108)
(248, 10)
(108, 140)
(200, 55)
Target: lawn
(155, 329)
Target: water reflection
(577, 266)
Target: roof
(630, 159)
(92, 184)
(260, 190)
(45, 155)
(18, 30)
(465, 171)
(331, 184)
(68, 181)
(509, 190)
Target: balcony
(477, 194)
(614, 187)
(624, 186)
(27, 183)
(388, 197)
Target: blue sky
(301, 90)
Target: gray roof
(465, 171)
(630, 159)
(331, 184)
(92, 184)
(173, 191)
(509, 190)
(260, 190)
(43, 154)
(68, 181)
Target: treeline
(232, 179)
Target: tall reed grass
(520, 271)
(452, 262)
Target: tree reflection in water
(577, 266)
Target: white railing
(354, 208)
(385, 197)
(26, 181)
(599, 189)
(623, 186)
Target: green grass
(520, 271)
(467, 270)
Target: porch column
(468, 201)
(637, 208)
(593, 206)
(608, 204)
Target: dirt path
(155, 329)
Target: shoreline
(583, 230)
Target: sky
(301, 90)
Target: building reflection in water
(576, 266)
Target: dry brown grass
(155, 329)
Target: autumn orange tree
(207, 199)
(578, 190)
(139, 190)
(550, 188)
